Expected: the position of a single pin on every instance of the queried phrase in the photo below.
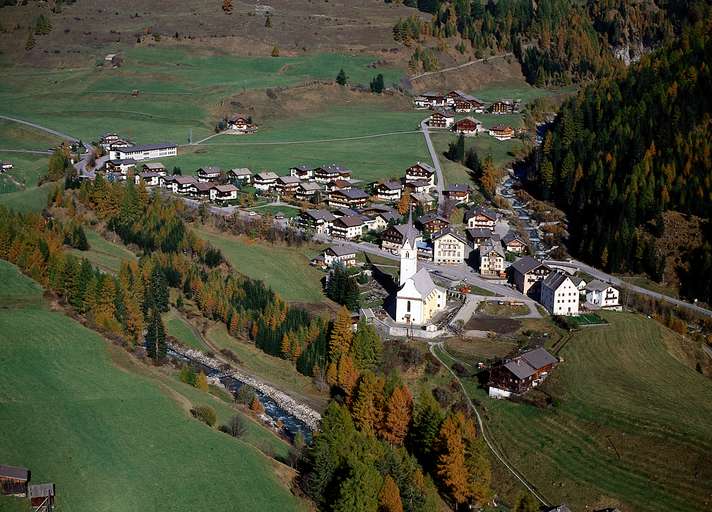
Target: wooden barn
(14, 480)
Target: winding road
(440, 183)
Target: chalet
(580, 284)
(5, 166)
(338, 184)
(518, 375)
(182, 185)
(441, 119)
(110, 141)
(385, 219)
(223, 193)
(491, 259)
(480, 217)
(121, 165)
(419, 187)
(479, 236)
(240, 123)
(449, 247)
(145, 152)
(468, 126)
(375, 209)
(344, 211)
(559, 295)
(339, 254)
(150, 179)
(265, 181)
(348, 228)
(320, 221)
(461, 102)
(303, 172)
(459, 192)
(388, 191)
(209, 174)
(351, 198)
(425, 250)
(420, 172)
(602, 295)
(514, 243)
(14, 480)
(201, 190)
(287, 185)
(393, 238)
(156, 167)
(41, 497)
(527, 273)
(327, 173)
(432, 222)
(502, 107)
(240, 175)
(501, 132)
(429, 100)
(423, 200)
(308, 191)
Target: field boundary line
(530, 487)
(312, 141)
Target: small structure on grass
(518, 375)
(14, 480)
(41, 497)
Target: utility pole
(190, 136)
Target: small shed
(14, 480)
(41, 497)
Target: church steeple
(408, 252)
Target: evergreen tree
(377, 84)
(526, 503)
(341, 78)
(156, 336)
(426, 426)
(359, 491)
(367, 347)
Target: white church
(418, 298)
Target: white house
(449, 247)
(441, 119)
(480, 217)
(303, 172)
(265, 180)
(208, 174)
(339, 254)
(602, 295)
(418, 298)
(145, 151)
(223, 193)
(420, 172)
(389, 191)
(318, 220)
(559, 294)
(150, 179)
(491, 259)
(348, 227)
(242, 174)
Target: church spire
(409, 251)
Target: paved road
(454, 68)
(598, 274)
(40, 127)
(440, 183)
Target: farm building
(336, 254)
(121, 165)
(518, 375)
(240, 123)
(429, 100)
(14, 480)
(602, 295)
(148, 178)
(5, 166)
(41, 497)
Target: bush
(245, 395)
(206, 414)
(235, 427)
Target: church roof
(411, 233)
(423, 282)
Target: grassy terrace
(627, 414)
(116, 425)
(285, 269)
(177, 90)
(181, 330)
(104, 254)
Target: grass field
(285, 269)
(497, 309)
(630, 425)
(111, 428)
(283, 143)
(177, 88)
(104, 254)
(287, 211)
(179, 328)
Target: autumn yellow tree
(367, 404)
(404, 203)
(341, 335)
(201, 381)
(347, 375)
(389, 499)
(256, 406)
(450, 467)
(399, 410)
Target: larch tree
(347, 375)
(367, 404)
(451, 468)
(399, 408)
(341, 335)
(389, 499)
(201, 381)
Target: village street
(440, 181)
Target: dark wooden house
(520, 374)
(14, 480)
(41, 497)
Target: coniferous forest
(626, 153)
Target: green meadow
(284, 269)
(629, 426)
(176, 90)
(111, 433)
(104, 254)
